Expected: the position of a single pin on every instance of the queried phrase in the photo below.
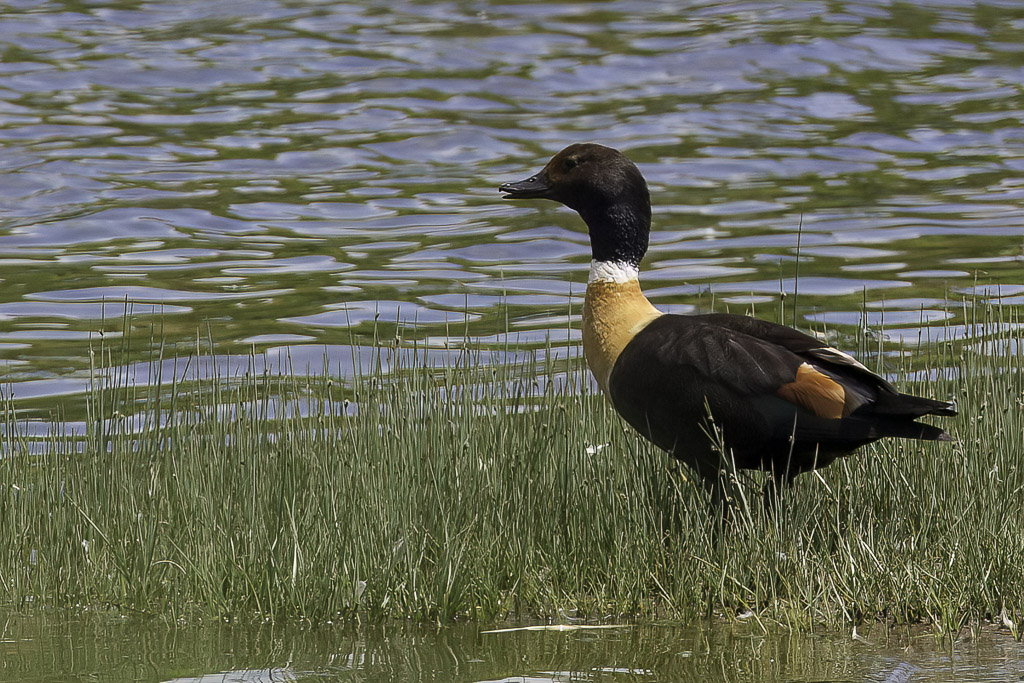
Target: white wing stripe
(828, 353)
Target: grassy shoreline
(489, 491)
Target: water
(277, 176)
(109, 649)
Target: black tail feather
(862, 428)
(908, 429)
(912, 406)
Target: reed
(438, 491)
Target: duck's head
(606, 189)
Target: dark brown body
(744, 373)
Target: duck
(716, 388)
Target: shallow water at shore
(104, 648)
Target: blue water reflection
(271, 171)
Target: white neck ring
(612, 271)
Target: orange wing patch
(816, 392)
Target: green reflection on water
(55, 647)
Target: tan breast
(613, 313)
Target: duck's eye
(570, 163)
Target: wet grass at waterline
(490, 491)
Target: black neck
(619, 232)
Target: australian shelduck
(780, 400)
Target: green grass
(485, 492)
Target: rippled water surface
(110, 649)
(285, 175)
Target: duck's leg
(771, 494)
(782, 477)
(721, 502)
(723, 487)
(717, 470)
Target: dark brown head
(605, 188)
